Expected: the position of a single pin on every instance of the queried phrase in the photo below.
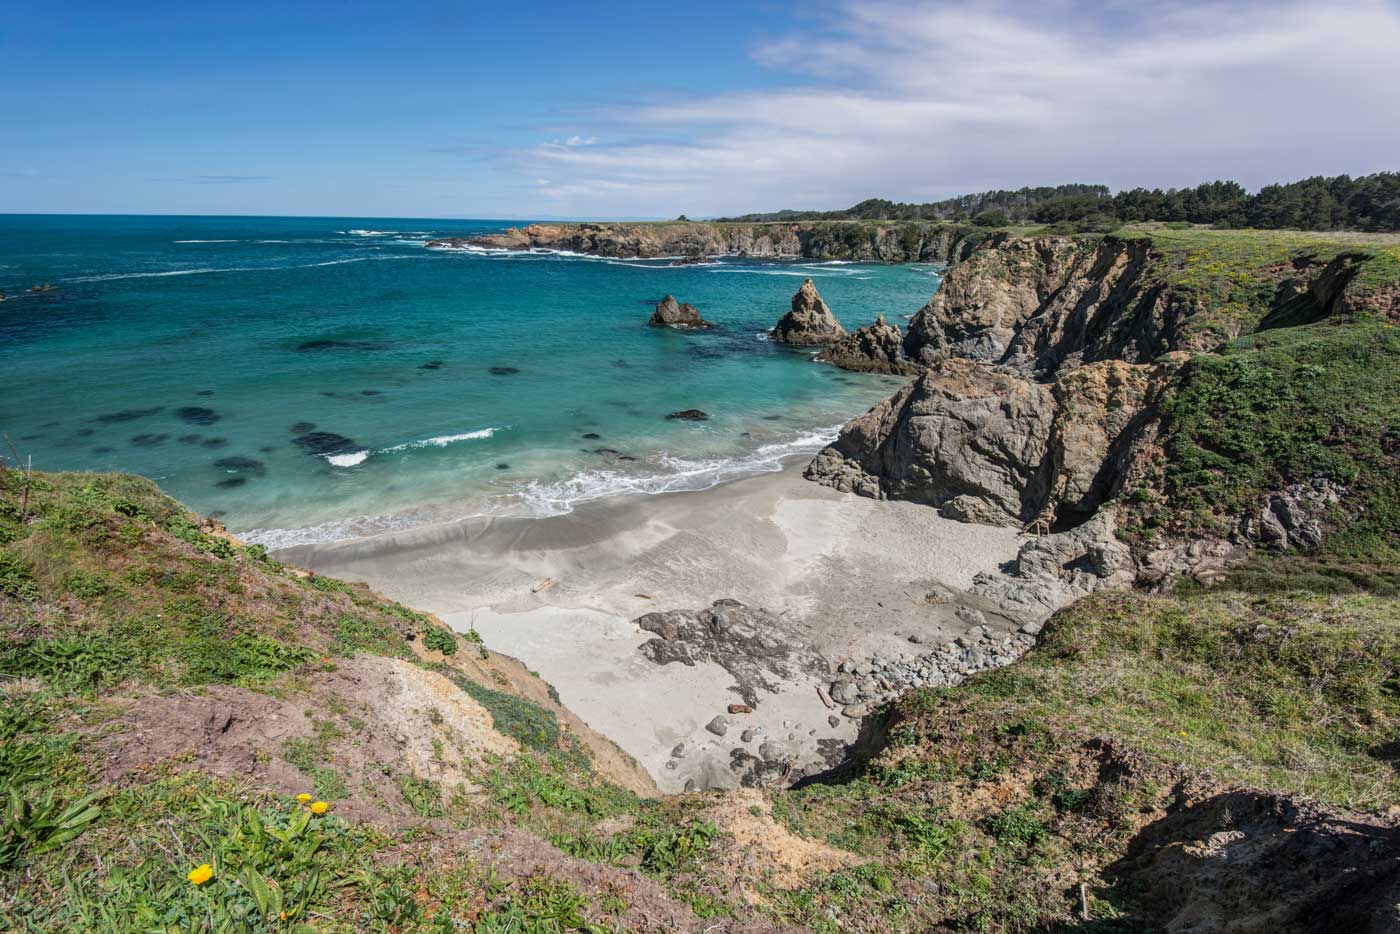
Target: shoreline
(840, 577)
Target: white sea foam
(663, 473)
(207, 241)
(356, 458)
(368, 233)
(800, 273)
(193, 272)
(667, 474)
(442, 441)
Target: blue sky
(649, 109)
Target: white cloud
(916, 101)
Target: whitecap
(192, 272)
(442, 441)
(347, 460)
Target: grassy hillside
(137, 645)
(168, 694)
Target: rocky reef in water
(874, 348)
(672, 314)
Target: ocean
(315, 379)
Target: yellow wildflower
(1183, 733)
(201, 874)
(319, 807)
(303, 797)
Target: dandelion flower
(1184, 733)
(201, 874)
(303, 797)
(319, 807)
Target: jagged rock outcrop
(962, 429)
(984, 301)
(884, 242)
(988, 445)
(810, 322)
(1044, 305)
(672, 314)
(1103, 411)
(875, 348)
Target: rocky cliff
(1064, 374)
(888, 242)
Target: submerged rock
(671, 314)
(689, 415)
(810, 322)
(240, 464)
(504, 370)
(198, 415)
(325, 443)
(875, 348)
(127, 415)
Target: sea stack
(672, 314)
(810, 323)
(875, 348)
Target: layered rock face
(875, 348)
(988, 445)
(895, 242)
(960, 430)
(673, 314)
(1049, 358)
(810, 322)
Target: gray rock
(971, 617)
(855, 711)
(678, 752)
(746, 736)
(810, 322)
(718, 726)
(669, 313)
(875, 348)
(833, 721)
(844, 692)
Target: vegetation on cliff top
(1368, 202)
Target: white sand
(846, 574)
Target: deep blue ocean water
(312, 379)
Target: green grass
(1285, 406)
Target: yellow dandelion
(1184, 733)
(201, 874)
(303, 797)
(319, 807)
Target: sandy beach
(842, 576)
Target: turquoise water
(313, 379)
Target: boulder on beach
(672, 314)
(810, 323)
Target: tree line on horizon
(1368, 202)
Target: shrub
(439, 640)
